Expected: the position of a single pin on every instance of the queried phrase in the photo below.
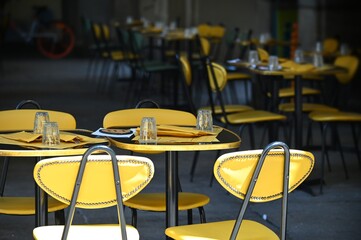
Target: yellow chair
(350, 63)
(92, 182)
(110, 53)
(254, 176)
(232, 75)
(156, 202)
(217, 81)
(204, 30)
(186, 72)
(330, 46)
(23, 119)
(329, 120)
(287, 92)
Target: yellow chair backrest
(132, 117)
(97, 31)
(204, 30)
(217, 31)
(106, 32)
(97, 187)
(263, 54)
(186, 70)
(220, 74)
(330, 45)
(205, 45)
(23, 119)
(234, 172)
(351, 64)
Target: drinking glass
(319, 47)
(148, 130)
(344, 50)
(318, 59)
(51, 136)
(40, 119)
(205, 120)
(273, 63)
(253, 58)
(299, 56)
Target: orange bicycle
(53, 38)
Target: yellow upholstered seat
(306, 107)
(290, 92)
(92, 182)
(156, 201)
(253, 176)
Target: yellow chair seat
(221, 230)
(335, 116)
(117, 55)
(230, 108)
(290, 92)
(306, 107)
(308, 77)
(253, 117)
(237, 76)
(26, 205)
(156, 201)
(88, 232)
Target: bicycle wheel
(56, 41)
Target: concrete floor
(61, 85)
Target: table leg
(274, 127)
(172, 189)
(41, 206)
(298, 111)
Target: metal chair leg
(4, 175)
(355, 140)
(202, 215)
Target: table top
(10, 150)
(227, 140)
(304, 69)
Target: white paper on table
(99, 133)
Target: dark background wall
(317, 19)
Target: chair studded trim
(232, 179)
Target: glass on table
(40, 119)
(253, 58)
(319, 47)
(344, 49)
(148, 130)
(51, 136)
(205, 120)
(317, 59)
(273, 63)
(299, 56)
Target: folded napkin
(168, 134)
(67, 140)
(32, 137)
(292, 66)
(177, 131)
